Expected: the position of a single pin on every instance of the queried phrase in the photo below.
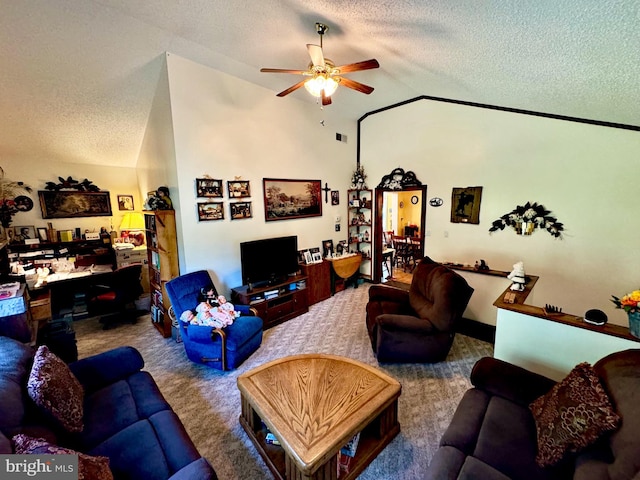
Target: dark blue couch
(126, 417)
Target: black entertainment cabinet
(275, 303)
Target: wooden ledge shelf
(520, 307)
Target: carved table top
(315, 403)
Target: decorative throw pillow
(572, 415)
(54, 388)
(89, 468)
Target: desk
(15, 320)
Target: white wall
(586, 175)
(225, 127)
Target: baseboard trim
(478, 330)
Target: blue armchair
(221, 348)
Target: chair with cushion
(111, 299)
(222, 348)
(417, 326)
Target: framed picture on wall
(210, 211)
(125, 202)
(465, 205)
(238, 188)
(287, 199)
(74, 204)
(208, 188)
(240, 210)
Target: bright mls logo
(50, 467)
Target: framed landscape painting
(210, 211)
(74, 204)
(288, 199)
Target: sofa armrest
(106, 368)
(388, 294)
(509, 381)
(404, 323)
(199, 469)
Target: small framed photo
(308, 258)
(125, 202)
(327, 248)
(42, 234)
(335, 197)
(208, 188)
(316, 257)
(238, 188)
(240, 210)
(20, 234)
(210, 211)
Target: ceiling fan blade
(325, 99)
(292, 88)
(360, 87)
(355, 67)
(315, 52)
(282, 70)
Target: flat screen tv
(268, 261)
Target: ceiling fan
(323, 76)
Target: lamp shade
(132, 221)
(321, 82)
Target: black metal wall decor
(525, 219)
(399, 179)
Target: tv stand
(276, 303)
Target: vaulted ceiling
(77, 77)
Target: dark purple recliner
(417, 326)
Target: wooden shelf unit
(319, 282)
(162, 251)
(289, 301)
(360, 228)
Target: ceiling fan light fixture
(320, 82)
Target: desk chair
(121, 290)
(221, 348)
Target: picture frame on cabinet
(210, 211)
(240, 210)
(308, 258)
(317, 257)
(208, 188)
(238, 188)
(42, 234)
(327, 248)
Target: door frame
(377, 225)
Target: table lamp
(132, 228)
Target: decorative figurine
(517, 277)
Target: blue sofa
(126, 418)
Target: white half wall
(586, 175)
(225, 127)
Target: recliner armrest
(509, 381)
(245, 310)
(200, 333)
(389, 294)
(106, 368)
(404, 323)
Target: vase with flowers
(630, 303)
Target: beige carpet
(207, 401)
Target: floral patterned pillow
(572, 415)
(89, 468)
(54, 388)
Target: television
(268, 261)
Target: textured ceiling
(78, 76)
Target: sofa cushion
(15, 360)
(56, 390)
(572, 415)
(152, 449)
(89, 467)
(119, 405)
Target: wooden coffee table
(314, 404)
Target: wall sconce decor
(525, 219)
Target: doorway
(402, 212)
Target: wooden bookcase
(162, 251)
(360, 227)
